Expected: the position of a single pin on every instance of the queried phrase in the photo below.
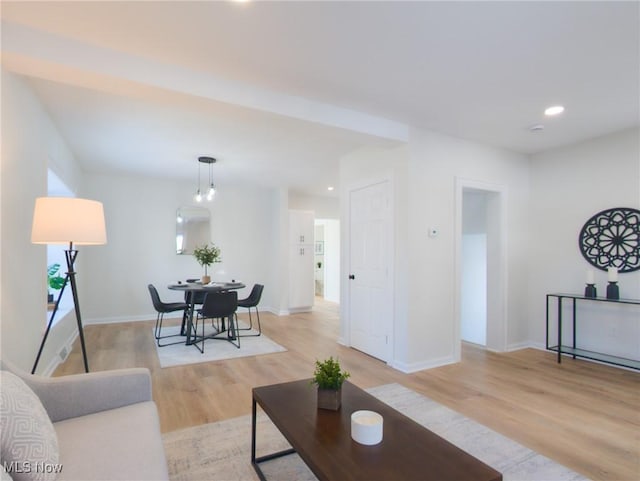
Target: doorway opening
(481, 269)
(327, 259)
(473, 294)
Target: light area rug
(222, 450)
(214, 350)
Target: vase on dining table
(206, 255)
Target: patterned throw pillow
(28, 442)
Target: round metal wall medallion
(611, 238)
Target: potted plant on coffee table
(206, 255)
(328, 376)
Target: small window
(56, 253)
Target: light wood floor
(581, 414)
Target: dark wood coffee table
(322, 438)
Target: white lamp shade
(64, 220)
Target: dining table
(191, 289)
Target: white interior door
(370, 292)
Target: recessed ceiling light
(330, 187)
(554, 110)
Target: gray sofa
(106, 425)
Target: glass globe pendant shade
(211, 193)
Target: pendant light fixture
(211, 190)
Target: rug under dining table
(214, 350)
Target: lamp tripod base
(69, 279)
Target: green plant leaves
(328, 374)
(207, 255)
(55, 281)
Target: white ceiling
(278, 91)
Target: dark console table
(574, 350)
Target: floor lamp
(72, 221)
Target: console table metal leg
(547, 321)
(559, 330)
(574, 328)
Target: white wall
(424, 180)
(30, 144)
(548, 200)
(140, 214)
(323, 207)
(247, 223)
(435, 161)
(568, 186)
(280, 252)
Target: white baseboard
(275, 312)
(57, 359)
(537, 345)
(118, 319)
(297, 310)
(51, 367)
(152, 317)
(422, 365)
(521, 345)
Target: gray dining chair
(219, 305)
(249, 302)
(163, 308)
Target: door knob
(351, 276)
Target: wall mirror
(192, 228)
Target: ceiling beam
(36, 53)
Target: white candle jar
(366, 427)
